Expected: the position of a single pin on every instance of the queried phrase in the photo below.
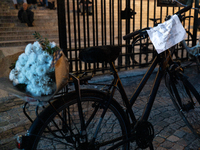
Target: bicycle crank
(144, 134)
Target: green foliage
(12, 66)
(45, 44)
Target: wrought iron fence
(105, 22)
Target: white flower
(15, 82)
(32, 59)
(36, 45)
(23, 59)
(32, 67)
(29, 75)
(18, 65)
(46, 90)
(41, 59)
(37, 48)
(22, 78)
(52, 44)
(28, 49)
(49, 60)
(44, 80)
(25, 70)
(36, 81)
(34, 90)
(45, 58)
(37, 93)
(28, 65)
(41, 70)
(13, 74)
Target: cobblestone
(173, 138)
(179, 147)
(4, 123)
(159, 139)
(171, 133)
(167, 144)
(179, 133)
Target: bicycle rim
(144, 47)
(113, 126)
(186, 102)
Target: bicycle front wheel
(61, 129)
(186, 100)
(144, 49)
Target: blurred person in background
(18, 3)
(25, 15)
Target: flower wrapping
(42, 74)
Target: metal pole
(195, 25)
(62, 25)
(128, 49)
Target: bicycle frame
(161, 71)
(162, 60)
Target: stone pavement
(170, 131)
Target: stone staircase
(15, 35)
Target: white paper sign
(167, 34)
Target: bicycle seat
(94, 54)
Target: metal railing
(104, 22)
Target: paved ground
(170, 131)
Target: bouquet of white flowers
(34, 70)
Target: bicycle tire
(114, 122)
(186, 100)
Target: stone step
(14, 12)
(6, 5)
(36, 17)
(22, 42)
(25, 37)
(25, 28)
(5, 1)
(40, 21)
(21, 33)
(36, 23)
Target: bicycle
(194, 53)
(89, 119)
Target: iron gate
(104, 22)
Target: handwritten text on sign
(167, 34)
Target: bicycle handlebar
(130, 35)
(183, 10)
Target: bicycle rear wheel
(68, 136)
(186, 100)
